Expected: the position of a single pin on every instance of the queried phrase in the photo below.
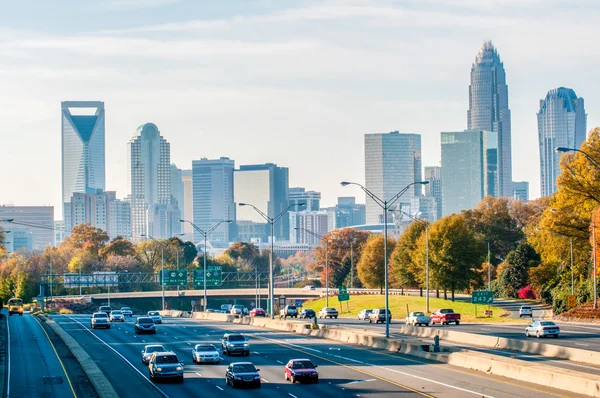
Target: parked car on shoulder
(235, 343)
(144, 324)
(445, 316)
(289, 310)
(149, 350)
(525, 310)
(116, 316)
(299, 370)
(99, 320)
(307, 313)
(417, 318)
(258, 312)
(165, 365)
(378, 315)
(542, 329)
(363, 315)
(205, 353)
(126, 311)
(328, 312)
(240, 374)
(155, 316)
(105, 308)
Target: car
(144, 324)
(116, 316)
(237, 310)
(235, 343)
(258, 312)
(363, 315)
(165, 365)
(205, 353)
(542, 329)
(328, 312)
(307, 313)
(213, 310)
(105, 308)
(525, 310)
(289, 310)
(242, 374)
(309, 287)
(126, 311)
(378, 315)
(417, 318)
(445, 316)
(224, 311)
(99, 320)
(155, 316)
(149, 350)
(299, 370)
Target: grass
(398, 307)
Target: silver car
(364, 315)
(99, 320)
(328, 312)
(165, 365)
(126, 311)
(155, 316)
(116, 316)
(205, 353)
(542, 329)
(149, 350)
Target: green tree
(119, 246)
(515, 275)
(87, 237)
(371, 266)
(243, 254)
(403, 267)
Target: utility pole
(489, 268)
(351, 266)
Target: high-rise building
(392, 162)
(521, 191)
(348, 213)
(149, 162)
(313, 221)
(33, 225)
(213, 189)
(311, 199)
(177, 188)
(488, 110)
(433, 174)
(83, 149)
(119, 219)
(103, 210)
(265, 186)
(59, 232)
(163, 220)
(562, 122)
(466, 168)
(188, 204)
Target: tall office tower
(521, 191)
(433, 174)
(466, 168)
(316, 222)
(311, 199)
(149, 162)
(348, 213)
(188, 204)
(83, 164)
(163, 220)
(212, 181)
(562, 122)
(93, 208)
(488, 110)
(265, 186)
(59, 232)
(177, 189)
(119, 219)
(39, 231)
(392, 162)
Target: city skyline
(391, 86)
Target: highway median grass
(398, 307)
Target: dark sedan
(307, 313)
(242, 374)
(144, 324)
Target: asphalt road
(345, 370)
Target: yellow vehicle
(15, 306)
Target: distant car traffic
(363, 315)
(289, 310)
(328, 312)
(213, 310)
(105, 308)
(235, 343)
(205, 353)
(417, 318)
(242, 374)
(309, 287)
(149, 350)
(307, 313)
(525, 310)
(144, 324)
(301, 370)
(258, 312)
(237, 309)
(99, 320)
(116, 316)
(165, 365)
(155, 316)
(378, 315)
(542, 329)
(445, 316)
(126, 311)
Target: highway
(345, 370)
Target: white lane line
(165, 332)
(265, 380)
(134, 336)
(583, 345)
(176, 337)
(122, 357)
(198, 374)
(361, 381)
(195, 331)
(257, 353)
(143, 341)
(8, 358)
(219, 388)
(280, 362)
(292, 395)
(188, 343)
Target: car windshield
(329, 309)
(155, 348)
(308, 310)
(244, 368)
(302, 365)
(205, 348)
(419, 314)
(525, 308)
(116, 313)
(167, 359)
(145, 320)
(236, 337)
(447, 311)
(125, 309)
(103, 308)
(291, 307)
(100, 315)
(153, 313)
(547, 323)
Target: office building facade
(119, 222)
(348, 213)
(311, 199)
(188, 204)
(433, 174)
(316, 222)
(521, 191)
(40, 224)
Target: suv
(237, 309)
(328, 312)
(378, 315)
(165, 365)
(235, 343)
(99, 319)
(525, 310)
(126, 311)
(105, 308)
(289, 310)
(144, 324)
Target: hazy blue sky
(295, 83)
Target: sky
(296, 83)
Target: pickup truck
(445, 316)
(417, 318)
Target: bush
(65, 311)
(526, 293)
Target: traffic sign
(298, 303)
(482, 297)
(213, 276)
(176, 277)
(571, 301)
(342, 289)
(343, 297)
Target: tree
(403, 267)
(243, 254)
(119, 246)
(371, 266)
(85, 236)
(515, 275)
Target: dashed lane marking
(280, 362)
(265, 380)
(198, 374)
(292, 395)
(219, 388)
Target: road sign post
(571, 301)
(482, 297)
(175, 277)
(343, 295)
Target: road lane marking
(280, 362)
(175, 337)
(583, 345)
(188, 343)
(361, 381)
(198, 374)
(265, 380)
(8, 358)
(219, 388)
(257, 353)
(292, 395)
(143, 341)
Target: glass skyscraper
(562, 122)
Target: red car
(445, 316)
(258, 312)
(301, 370)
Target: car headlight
(237, 377)
(256, 377)
(229, 345)
(246, 344)
(159, 369)
(179, 368)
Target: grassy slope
(398, 307)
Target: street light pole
(572, 273)
(595, 267)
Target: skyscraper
(488, 110)
(347, 213)
(433, 174)
(177, 188)
(83, 156)
(149, 159)
(562, 122)
(521, 191)
(212, 182)
(311, 199)
(188, 204)
(392, 162)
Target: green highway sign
(343, 297)
(342, 289)
(482, 297)
(213, 276)
(176, 278)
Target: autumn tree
(371, 266)
(404, 269)
(515, 274)
(87, 237)
(243, 254)
(117, 247)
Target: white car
(542, 329)
(417, 318)
(328, 312)
(309, 287)
(525, 310)
(116, 316)
(237, 309)
(126, 311)
(205, 353)
(363, 315)
(99, 320)
(148, 350)
(155, 316)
